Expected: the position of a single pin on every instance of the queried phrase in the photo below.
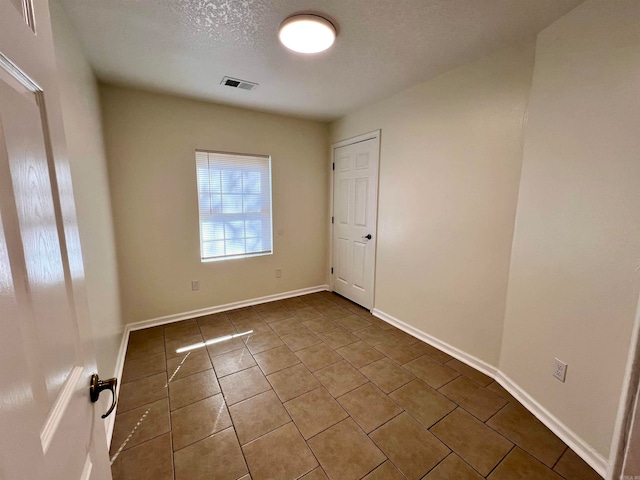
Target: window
(234, 200)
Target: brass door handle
(98, 385)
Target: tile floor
(320, 389)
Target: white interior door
(355, 208)
(49, 428)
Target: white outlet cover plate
(560, 370)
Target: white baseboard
(154, 322)
(461, 355)
(568, 436)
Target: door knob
(98, 386)
(367, 236)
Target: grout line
(146, 376)
(396, 389)
(173, 463)
(173, 452)
(210, 434)
(248, 398)
(315, 434)
(115, 455)
(192, 403)
(143, 355)
(444, 443)
(308, 447)
(444, 385)
(194, 373)
(503, 458)
(144, 415)
(235, 431)
(279, 370)
(516, 444)
(387, 459)
(497, 412)
(177, 369)
(237, 371)
(508, 439)
(561, 455)
(383, 424)
(422, 424)
(441, 419)
(145, 404)
(442, 461)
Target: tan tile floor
(320, 389)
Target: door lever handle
(367, 236)
(98, 386)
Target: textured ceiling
(185, 47)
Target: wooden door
(49, 428)
(355, 206)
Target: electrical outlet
(278, 272)
(195, 285)
(560, 370)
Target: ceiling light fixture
(307, 33)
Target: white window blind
(234, 200)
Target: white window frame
(212, 217)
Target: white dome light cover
(307, 33)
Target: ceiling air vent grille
(237, 83)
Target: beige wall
(575, 269)
(151, 141)
(451, 151)
(83, 129)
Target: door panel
(360, 203)
(342, 261)
(29, 172)
(343, 162)
(48, 424)
(355, 214)
(343, 202)
(19, 414)
(362, 161)
(359, 265)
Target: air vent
(237, 83)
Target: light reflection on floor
(212, 341)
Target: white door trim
(375, 134)
(628, 398)
(357, 139)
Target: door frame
(630, 395)
(375, 134)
